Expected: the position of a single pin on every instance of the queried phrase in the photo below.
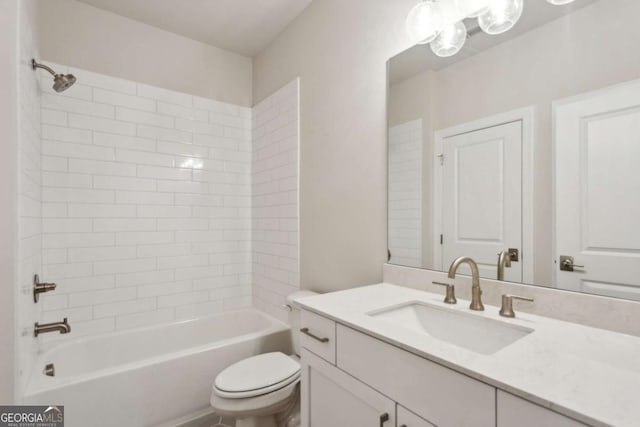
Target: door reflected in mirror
(527, 145)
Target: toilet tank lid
(292, 298)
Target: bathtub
(149, 376)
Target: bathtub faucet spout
(62, 327)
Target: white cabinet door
(597, 191)
(438, 394)
(482, 197)
(516, 412)
(331, 398)
(406, 418)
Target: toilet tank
(294, 316)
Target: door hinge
(441, 239)
(441, 157)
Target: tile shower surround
(405, 193)
(275, 200)
(146, 204)
(29, 209)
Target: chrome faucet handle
(450, 297)
(507, 304)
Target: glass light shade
(472, 8)
(560, 2)
(450, 40)
(501, 16)
(424, 22)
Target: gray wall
(8, 186)
(339, 49)
(83, 36)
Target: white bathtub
(148, 376)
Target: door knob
(566, 263)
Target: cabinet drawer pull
(403, 425)
(315, 337)
(383, 419)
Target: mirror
(526, 144)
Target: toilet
(262, 390)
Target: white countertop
(589, 374)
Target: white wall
(83, 36)
(29, 190)
(275, 200)
(8, 194)
(339, 50)
(146, 204)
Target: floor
(211, 420)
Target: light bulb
(501, 16)
(560, 2)
(472, 8)
(424, 22)
(450, 40)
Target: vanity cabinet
(516, 412)
(331, 397)
(318, 334)
(350, 379)
(438, 394)
(406, 418)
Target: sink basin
(473, 332)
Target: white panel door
(597, 191)
(482, 197)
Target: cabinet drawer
(437, 394)
(516, 412)
(407, 418)
(318, 335)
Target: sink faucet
(476, 292)
(504, 260)
(62, 327)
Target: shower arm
(35, 65)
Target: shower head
(61, 82)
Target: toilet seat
(256, 376)
(262, 405)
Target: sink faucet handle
(507, 304)
(450, 297)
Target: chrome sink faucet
(476, 292)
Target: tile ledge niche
(613, 314)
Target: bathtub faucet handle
(39, 288)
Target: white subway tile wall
(405, 194)
(29, 209)
(146, 204)
(275, 200)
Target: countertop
(589, 374)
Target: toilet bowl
(263, 390)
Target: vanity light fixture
(424, 22)
(501, 16)
(450, 40)
(472, 8)
(439, 21)
(560, 2)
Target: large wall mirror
(525, 144)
